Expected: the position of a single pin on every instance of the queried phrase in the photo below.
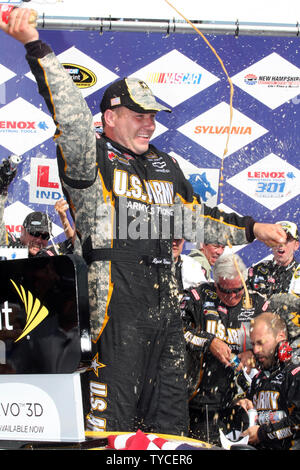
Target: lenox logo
(271, 181)
(17, 125)
(266, 174)
(23, 125)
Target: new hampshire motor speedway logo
(276, 81)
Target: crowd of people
(178, 340)
(226, 355)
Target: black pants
(143, 353)
(205, 424)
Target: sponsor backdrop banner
(261, 169)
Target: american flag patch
(195, 294)
(295, 371)
(115, 101)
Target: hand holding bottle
(19, 23)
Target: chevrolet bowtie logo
(35, 312)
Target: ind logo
(46, 189)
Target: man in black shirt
(217, 320)
(275, 390)
(278, 280)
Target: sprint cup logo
(81, 76)
(35, 312)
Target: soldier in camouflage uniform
(124, 195)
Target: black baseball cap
(132, 93)
(38, 222)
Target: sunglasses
(230, 291)
(42, 235)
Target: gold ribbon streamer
(222, 65)
(247, 298)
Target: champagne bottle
(5, 11)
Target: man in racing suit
(119, 189)
(278, 280)
(217, 319)
(275, 390)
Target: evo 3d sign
(32, 408)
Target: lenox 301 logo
(270, 183)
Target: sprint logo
(35, 312)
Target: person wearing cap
(36, 228)
(275, 390)
(278, 280)
(116, 187)
(217, 318)
(206, 256)
(36, 232)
